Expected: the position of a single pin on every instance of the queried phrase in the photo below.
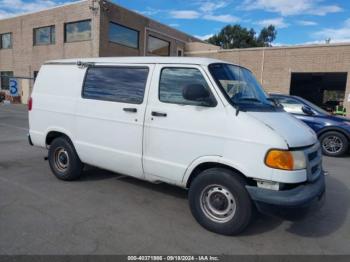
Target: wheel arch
(54, 133)
(207, 162)
(333, 129)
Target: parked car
(201, 124)
(332, 131)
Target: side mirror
(275, 101)
(196, 92)
(307, 110)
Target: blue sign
(14, 87)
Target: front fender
(209, 159)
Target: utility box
(25, 90)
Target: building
(319, 73)
(90, 28)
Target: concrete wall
(24, 58)
(273, 66)
(145, 26)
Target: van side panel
(54, 101)
(110, 133)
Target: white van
(198, 123)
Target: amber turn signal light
(280, 159)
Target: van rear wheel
(63, 159)
(219, 201)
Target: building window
(77, 31)
(44, 35)
(5, 79)
(123, 35)
(172, 82)
(157, 46)
(117, 84)
(6, 41)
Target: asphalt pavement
(108, 213)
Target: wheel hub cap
(61, 159)
(332, 144)
(217, 203)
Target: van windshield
(240, 86)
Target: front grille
(314, 169)
(314, 165)
(312, 155)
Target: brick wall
(24, 58)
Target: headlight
(286, 160)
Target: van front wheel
(219, 201)
(63, 159)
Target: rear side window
(118, 84)
(173, 80)
(291, 105)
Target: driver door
(178, 131)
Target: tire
(339, 146)
(63, 159)
(214, 190)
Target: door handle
(159, 114)
(131, 110)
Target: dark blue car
(332, 131)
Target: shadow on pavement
(160, 188)
(328, 218)
(95, 174)
(314, 222)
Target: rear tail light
(30, 104)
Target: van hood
(292, 130)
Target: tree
(236, 36)
(267, 35)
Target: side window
(157, 46)
(291, 105)
(44, 35)
(5, 79)
(77, 31)
(6, 41)
(174, 80)
(118, 84)
(124, 36)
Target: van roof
(141, 60)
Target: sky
(297, 21)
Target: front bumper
(300, 196)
